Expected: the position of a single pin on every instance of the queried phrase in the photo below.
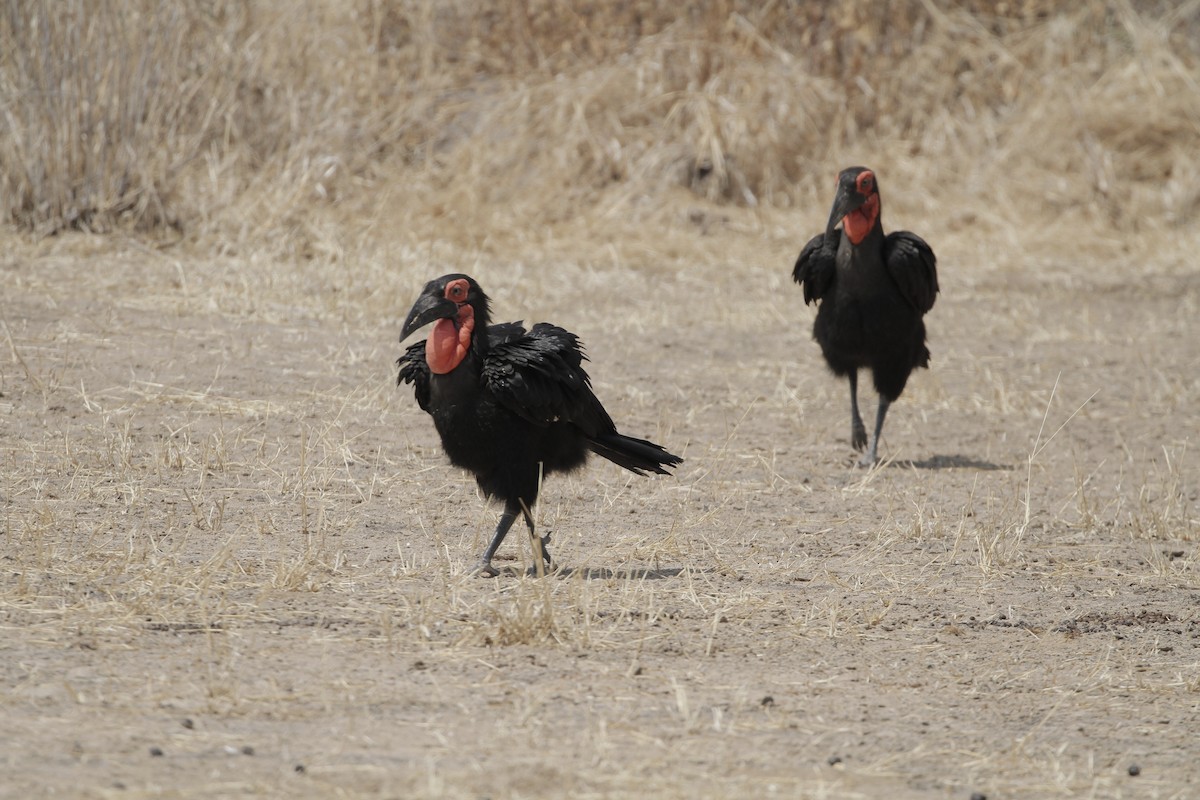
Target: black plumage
(510, 405)
(872, 292)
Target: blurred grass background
(297, 130)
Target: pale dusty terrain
(235, 562)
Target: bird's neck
(859, 265)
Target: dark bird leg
(540, 545)
(507, 519)
(858, 431)
(872, 455)
(511, 509)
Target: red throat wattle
(858, 223)
(450, 340)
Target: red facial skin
(858, 223)
(450, 339)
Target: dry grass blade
(1039, 445)
(16, 357)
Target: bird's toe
(858, 438)
(486, 570)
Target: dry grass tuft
(105, 106)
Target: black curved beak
(427, 308)
(846, 200)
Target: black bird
(510, 405)
(872, 292)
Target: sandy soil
(235, 562)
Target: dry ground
(235, 561)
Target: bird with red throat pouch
(872, 293)
(510, 405)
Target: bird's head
(455, 304)
(856, 204)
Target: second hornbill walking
(872, 292)
(510, 405)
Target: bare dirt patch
(236, 562)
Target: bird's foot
(549, 569)
(858, 436)
(548, 564)
(486, 570)
(870, 458)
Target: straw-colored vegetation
(244, 121)
(233, 561)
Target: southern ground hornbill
(872, 292)
(510, 405)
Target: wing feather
(816, 267)
(913, 267)
(540, 377)
(415, 370)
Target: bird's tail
(635, 455)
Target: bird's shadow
(598, 573)
(605, 573)
(951, 462)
